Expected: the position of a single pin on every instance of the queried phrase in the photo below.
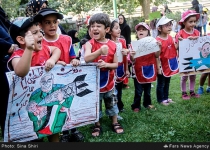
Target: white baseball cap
(163, 20)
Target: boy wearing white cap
(168, 60)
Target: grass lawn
(183, 121)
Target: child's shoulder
(63, 36)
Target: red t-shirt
(39, 58)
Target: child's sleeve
(177, 38)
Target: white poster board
(145, 46)
(43, 103)
(194, 56)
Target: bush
(82, 32)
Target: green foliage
(82, 32)
(175, 16)
(11, 8)
(134, 21)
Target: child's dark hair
(111, 27)
(100, 18)
(159, 32)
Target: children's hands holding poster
(144, 46)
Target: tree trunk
(146, 8)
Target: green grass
(183, 121)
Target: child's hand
(12, 48)
(102, 64)
(104, 49)
(127, 73)
(50, 63)
(193, 37)
(125, 51)
(61, 62)
(75, 62)
(180, 38)
(29, 40)
(132, 53)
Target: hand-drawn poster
(194, 56)
(145, 46)
(43, 103)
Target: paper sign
(194, 56)
(145, 46)
(44, 103)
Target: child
(32, 52)
(34, 6)
(188, 31)
(101, 50)
(48, 21)
(122, 70)
(142, 83)
(167, 60)
(205, 19)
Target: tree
(11, 7)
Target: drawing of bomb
(77, 87)
(204, 58)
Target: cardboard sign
(44, 103)
(194, 56)
(145, 46)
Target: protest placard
(145, 46)
(194, 56)
(43, 103)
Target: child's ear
(107, 29)
(20, 40)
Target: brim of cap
(49, 12)
(163, 22)
(141, 24)
(191, 14)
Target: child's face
(142, 32)
(116, 30)
(49, 25)
(167, 28)
(98, 31)
(38, 36)
(190, 23)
